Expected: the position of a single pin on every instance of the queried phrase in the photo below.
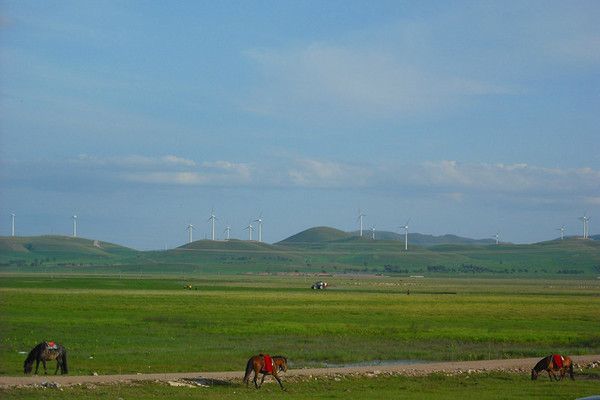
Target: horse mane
(33, 354)
(284, 358)
(542, 364)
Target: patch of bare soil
(518, 365)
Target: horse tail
(571, 370)
(249, 368)
(64, 367)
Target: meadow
(479, 386)
(129, 324)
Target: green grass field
(437, 386)
(126, 325)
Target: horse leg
(45, 369)
(551, 374)
(255, 379)
(57, 365)
(262, 380)
(37, 366)
(279, 381)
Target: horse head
(534, 374)
(27, 367)
(281, 363)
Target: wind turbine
(497, 236)
(190, 228)
(373, 232)
(250, 228)
(562, 232)
(586, 229)
(74, 225)
(405, 227)
(12, 216)
(360, 218)
(212, 219)
(259, 220)
(227, 231)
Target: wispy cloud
(368, 81)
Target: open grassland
(438, 386)
(114, 325)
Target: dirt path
(519, 364)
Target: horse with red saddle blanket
(553, 363)
(265, 365)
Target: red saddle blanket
(557, 360)
(268, 365)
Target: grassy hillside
(424, 240)
(38, 250)
(316, 235)
(315, 250)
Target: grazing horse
(553, 363)
(265, 365)
(47, 351)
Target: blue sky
(141, 116)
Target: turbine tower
(12, 216)
(405, 227)
(260, 221)
(212, 219)
(562, 232)
(360, 218)
(74, 225)
(227, 231)
(586, 228)
(373, 232)
(190, 228)
(250, 228)
(497, 236)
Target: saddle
(51, 346)
(557, 360)
(268, 364)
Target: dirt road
(519, 364)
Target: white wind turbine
(227, 231)
(360, 218)
(497, 236)
(586, 228)
(250, 228)
(405, 227)
(373, 232)
(562, 232)
(212, 219)
(190, 228)
(74, 225)
(260, 221)
(12, 216)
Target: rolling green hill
(60, 249)
(316, 235)
(318, 249)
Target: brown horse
(552, 365)
(46, 351)
(259, 364)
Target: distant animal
(46, 351)
(552, 364)
(265, 365)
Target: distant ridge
(224, 245)
(60, 247)
(324, 234)
(318, 234)
(424, 240)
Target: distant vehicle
(319, 285)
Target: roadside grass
(436, 386)
(111, 325)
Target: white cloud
(367, 80)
